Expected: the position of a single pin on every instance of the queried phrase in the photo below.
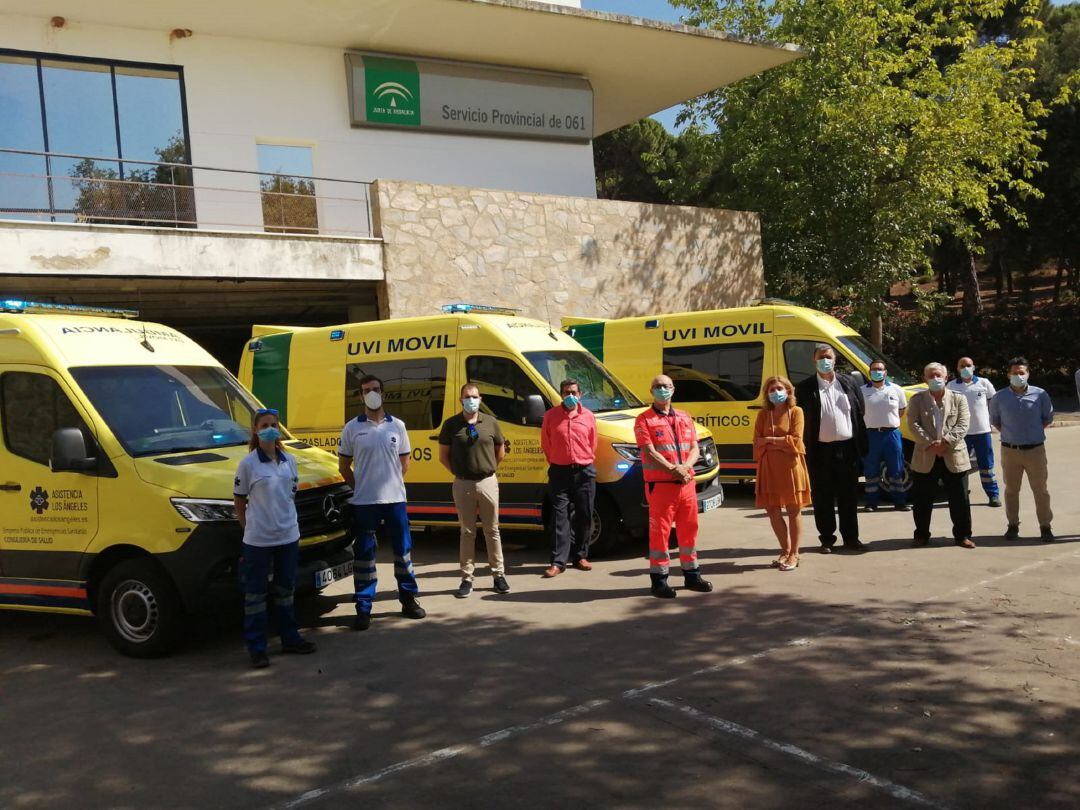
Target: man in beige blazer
(939, 420)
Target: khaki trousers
(469, 498)
(1014, 463)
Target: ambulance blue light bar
(480, 309)
(17, 306)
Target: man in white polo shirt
(373, 456)
(978, 391)
(884, 402)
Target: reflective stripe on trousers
(672, 504)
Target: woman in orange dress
(783, 482)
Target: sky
(653, 10)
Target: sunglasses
(266, 411)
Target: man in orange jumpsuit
(669, 449)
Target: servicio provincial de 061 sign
(434, 95)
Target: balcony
(65, 188)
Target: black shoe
(694, 582)
(871, 508)
(857, 547)
(825, 549)
(902, 507)
(411, 610)
(920, 542)
(260, 660)
(464, 589)
(501, 585)
(1012, 533)
(994, 502)
(362, 621)
(1046, 535)
(660, 588)
(300, 647)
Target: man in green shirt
(471, 445)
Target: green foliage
(903, 120)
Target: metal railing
(61, 187)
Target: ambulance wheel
(608, 532)
(139, 610)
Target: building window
(100, 134)
(413, 390)
(33, 408)
(726, 373)
(288, 190)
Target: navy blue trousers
(366, 520)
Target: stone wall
(555, 256)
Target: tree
(159, 195)
(902, 121)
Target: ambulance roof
(72, 341)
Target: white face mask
(373, 400)
(470, 404)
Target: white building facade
(103, 107)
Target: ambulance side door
(718, 371)
(505, 387)
(47, 519)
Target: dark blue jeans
(256, 564)
(366, 520)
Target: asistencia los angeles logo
(39, 500)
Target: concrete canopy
(637, 67)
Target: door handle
(753, 407)
(10, 486)
(434, 438)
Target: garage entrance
(216, 313)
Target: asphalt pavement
(903, 677)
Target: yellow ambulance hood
(210, 473)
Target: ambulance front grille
(322, 510)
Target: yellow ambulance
(311, 375)
(120, 444)
(719, 359)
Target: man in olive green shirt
(471, 445)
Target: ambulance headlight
(630, 452)
(200, 510)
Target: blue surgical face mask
(778, 397)
(663, 394)
(470, 404)
(825, 365)
(936, 383)
(571, 401)
(967, 372)
(269, 434)
(877, 375)
(1018, 380)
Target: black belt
(1022, 446)
(474, 478)
(883, 430)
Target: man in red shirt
(568, 437)
(669, 449)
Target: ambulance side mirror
(69, 452)
(857, 376)
(535, 409)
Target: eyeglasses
(266, 411)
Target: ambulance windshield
(169, 409)
(599, 390)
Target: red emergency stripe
(432, 510)
(739, 465)
(45, 590)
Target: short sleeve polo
(269, 485)
(376, 449)
(883, 405)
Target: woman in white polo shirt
(265, 498)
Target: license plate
(714, 502)
(326, 576)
